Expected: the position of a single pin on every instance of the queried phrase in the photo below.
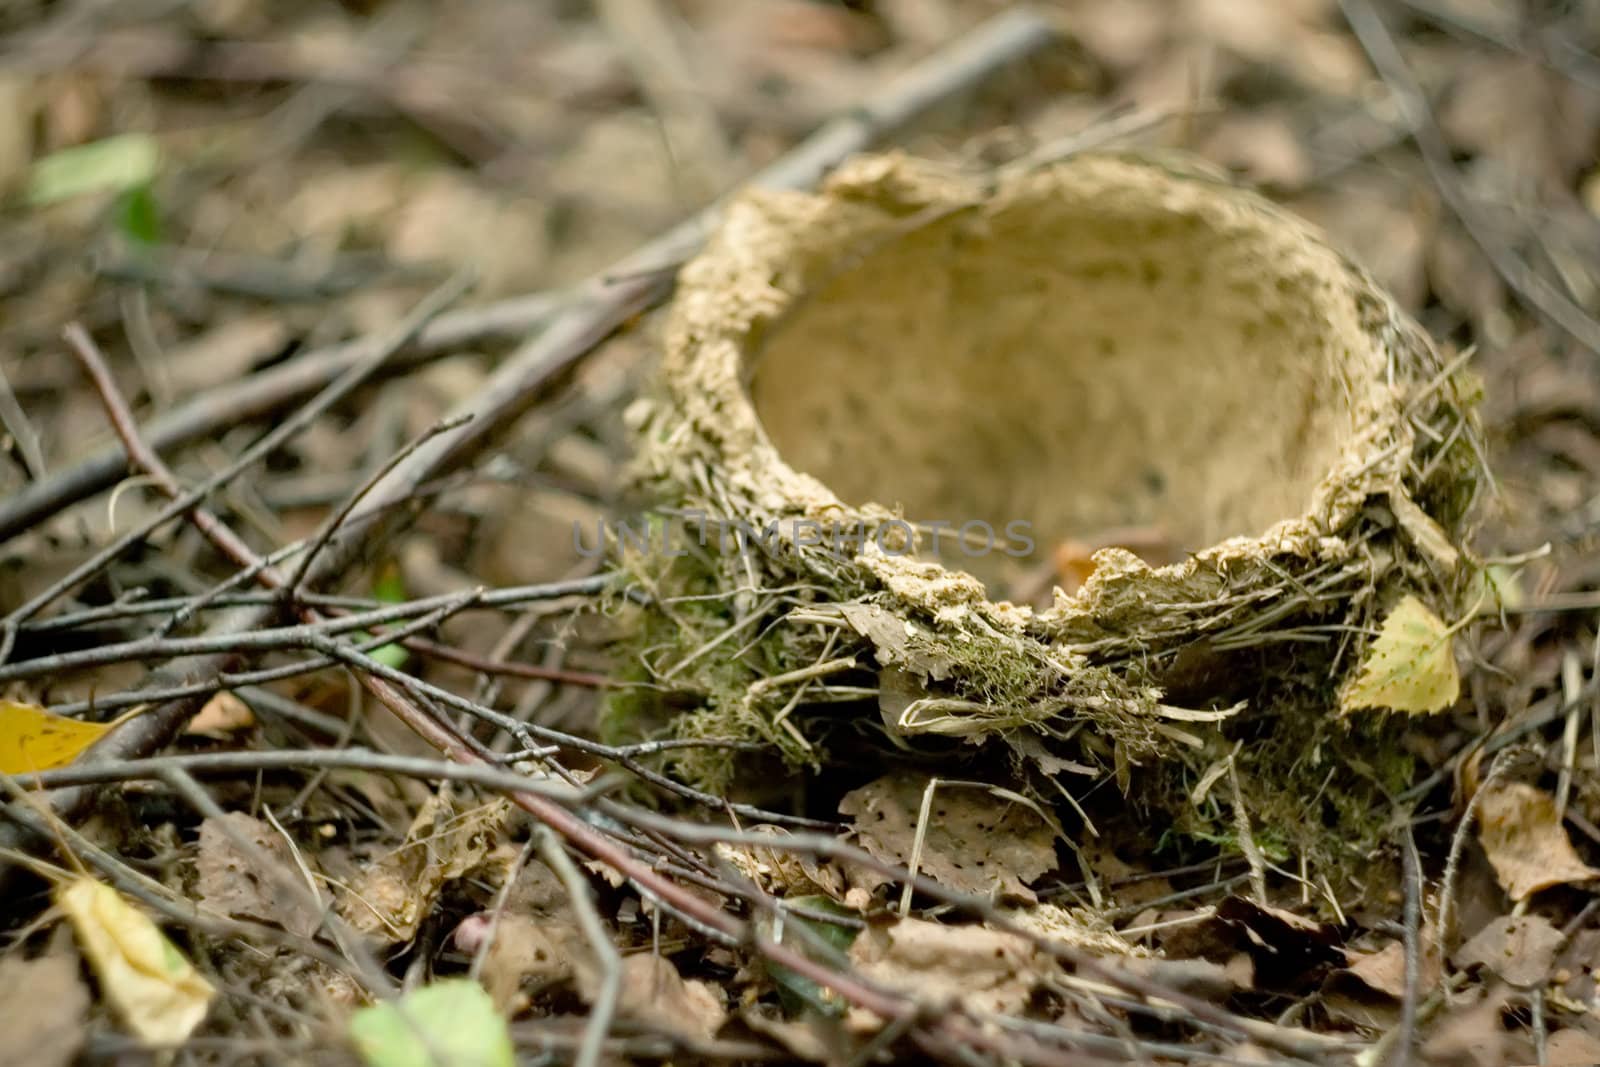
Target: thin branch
(207, 763)
(288, 429)
(268, 391)
(350, 943)
(1412, 865)
(581, 896)
(294, 586)
(16, 422)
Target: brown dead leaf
(1120, 879)
(235, 884)
(1526, 116)
(974, 842)
(1473, 1034)
(1358, 1008)
(225, 353)
(524, 952)
(537, 890)
(1074, 563)
(1379, 221)
(43, 1002)
(1368, 992)
(1522, 835)
(345, 202)
(813, 1037)
(1121, 35)
(1572, 1048)
(1519, 948)
(223, 714)
(982, 969)
(447, 839)
(451, 219)
(1384, 971)
(536, 940)
(893, 639)
(1263, 148)
(780, 871)
(1464, 280)
(656, 995)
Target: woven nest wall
(1105, 343)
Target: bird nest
(888, 407)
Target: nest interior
(1090, 360)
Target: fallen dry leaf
(43, 1003)
(656, 995)
(524, 952)
(451, 219)
(447, 839)
(1522, 835)
(1383, 971)
(895, 641)
(536, 939)
(1572, 1048)
(1519, 948)
(1264, 148)
(1474, 1035)
(155, 990)
(1382, 225)
(227, 352)
(974, 842)
(223, 714)
(1528, 118)
(813, 1037)
(780, 871)
(982, 969)
(235, 883)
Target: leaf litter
(969, 839)
(1522, 834)
(235, 881)
(45, 1004)
(558, 170)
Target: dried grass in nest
(1108, 341)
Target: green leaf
(137, 216)
(390, 588)
(448, 1024)
(115, 164)
(796, 992)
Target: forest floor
(361, 789)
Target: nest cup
(1056, 355)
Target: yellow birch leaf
(155, 990)
(32, 739)
(1410, 667)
